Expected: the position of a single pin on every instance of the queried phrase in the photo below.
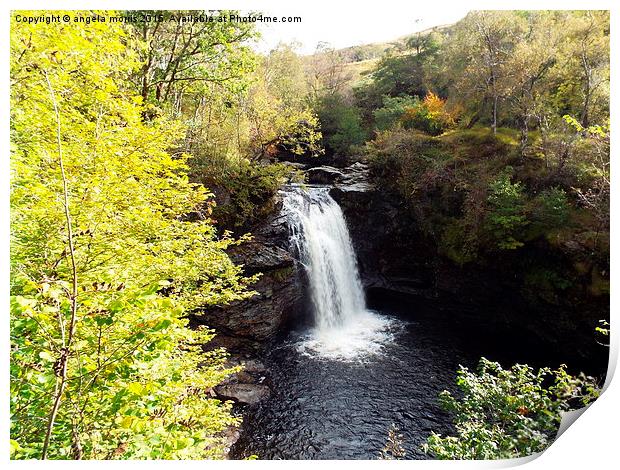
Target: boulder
(254, 371)
(355, 178)
(249, 394)
(253, 366)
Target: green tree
(279, 113)
(528, 68)
(340, 124)
(506, 217)
(104, 263)
(550, 210)
(326, 73)
(177, 55)
(409, 72)
(392, 111)
(586, 51)
(477, 57)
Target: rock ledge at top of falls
(354, 178)
(324, 175)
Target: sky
(343, 25)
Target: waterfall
(343, 327)
(320, 236)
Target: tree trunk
(524, 134)
(494, 125)
(60, 367)
(587, 86)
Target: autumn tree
(585, 57)
(528, 68)
(278, 108)
(326, 72)
(477, 55)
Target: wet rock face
(391, 254)
(231, 436)
(245, 326)
(259, 257)
(259, 317)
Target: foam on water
(353, 341)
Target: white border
(591, 443)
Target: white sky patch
(344, 26)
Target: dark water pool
(329, 409)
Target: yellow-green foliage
(137, 382)
(277, 108)
(251, 189)
(506, 210)
(231, 133)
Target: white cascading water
(344, 328)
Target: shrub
(248, 191)
(403, 154)
(546, 283)
(393, 448)
(549, 210)
(508, 413)
(458, 242)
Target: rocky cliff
(398, 260)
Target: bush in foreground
(508, 413)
